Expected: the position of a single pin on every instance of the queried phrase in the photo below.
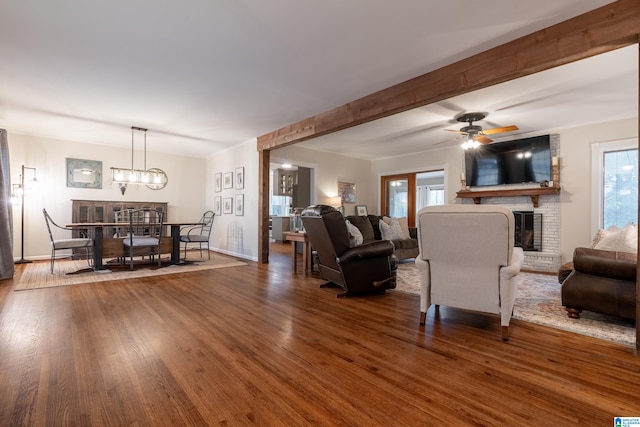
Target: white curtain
(422, 197)
(6, 211)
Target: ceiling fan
(477, 135)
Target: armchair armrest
(378, 248)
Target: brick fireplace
(547, 257)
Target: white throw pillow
(391, 231)
(619, 240)
(355, 236)
(404, 225)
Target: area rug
(38, 275)
(538, 301)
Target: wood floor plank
(258, 345)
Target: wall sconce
(18, 192)
(154, 178)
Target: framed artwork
(239, 204)
(84, 173)
(217, 205)
(227, 205)
(218, 182)
(361, 210)
(347, 192)
(240, 178)
(227, 180)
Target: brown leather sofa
(601, 281)
(368, 268)
(370, 229)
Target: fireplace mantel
(533, 192)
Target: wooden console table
(533, 193)
(306, 250)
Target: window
(615, 171)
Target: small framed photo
(361, 210)
(218, 182)
(227, 180)
(239, 204)
(240, 178)
(217, 205)
(227, 205)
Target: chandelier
(153, 178)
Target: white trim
(597, 163)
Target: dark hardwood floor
(255, 345)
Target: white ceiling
(206, 75)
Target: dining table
(98, 238)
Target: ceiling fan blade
(500, 130)
(482, 139)
(456, 131)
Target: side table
(294, 237)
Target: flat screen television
(512, 162)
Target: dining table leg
(175, 240)
(97, 248)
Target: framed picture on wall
(84, 173)
(347, 192)
(239, 204)
(227, 205)
(227, 180)
(217, 205)
(218, 182)
(240, 178)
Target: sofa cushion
(405, 243)
(375, 223)
(364, 225)
(355, 236)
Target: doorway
(403, 195)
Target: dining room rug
(37, 275)
(538, 301)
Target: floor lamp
(21, 189)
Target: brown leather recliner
(369, 268)
(601, 281)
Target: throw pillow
(404, 226)
(363, 224)
(355, 236)
(619, 240)
(391, 231)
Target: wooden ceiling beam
(601, 30)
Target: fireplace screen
(528, 230)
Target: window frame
(598, 151)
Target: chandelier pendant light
(154, 178)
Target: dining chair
(83, 242)
(144, 234)
(198, 233)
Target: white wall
(575, 178)
(233, 234)
(184, 191)
(329, 169)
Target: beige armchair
(468, 260)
